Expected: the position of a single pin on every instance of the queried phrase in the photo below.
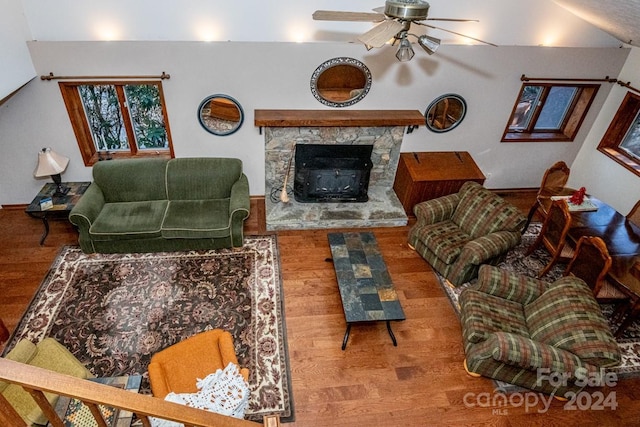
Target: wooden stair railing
(37, 380)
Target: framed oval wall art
(445, 113)
(220, 114)
(340, 82)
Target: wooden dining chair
(634, 214)
(553, 183)
(591, 263)
(553, 235)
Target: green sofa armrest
(436, 210)
(84, 214)
(508, 285)
(525, 353)
(484, 248)
(239, 198)
(239, 205)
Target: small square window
(549, 112)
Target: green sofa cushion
(48, 354)
(567, 316)
(484, 314)
(481, 212)
(23, 352)
(202, 178)
(445, 239)
(129, 220)
(196, 219)
(131, 180)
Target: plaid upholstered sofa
(548, 337)
(459, 232)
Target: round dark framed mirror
(340, 82)
(445, 112)
(220, 114)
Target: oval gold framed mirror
(445, 112)
(220, 115)
(340, 82)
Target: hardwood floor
(421, 382)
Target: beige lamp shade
(50, 163)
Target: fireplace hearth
(332, 173)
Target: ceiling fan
(395, 19)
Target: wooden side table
(428, 175)
(61, 207)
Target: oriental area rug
(517, 262)
(114, 311)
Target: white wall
(276, 76)
(599, 174)
(16, 68)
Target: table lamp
(52, 163)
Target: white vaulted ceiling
(503, 22)
(620, 18)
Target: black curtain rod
(50, 76)
(606, 79)
(628, 86)
(532, 79)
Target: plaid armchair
(459, 232)
(531, 333)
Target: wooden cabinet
(425, 176)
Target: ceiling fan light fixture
(429, 44)
(407, 9)
(405, 51)
(394, 22)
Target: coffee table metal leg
(346, 336)
(393, 337)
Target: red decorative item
(578, 197)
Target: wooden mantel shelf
(347, 118)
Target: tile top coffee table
(365, 286)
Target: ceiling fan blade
(379, 9)
(458, 34)
(334, 15)
(381, 33)
(453, 20)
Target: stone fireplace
(286, 129)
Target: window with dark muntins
(118, 119)
(549, 112)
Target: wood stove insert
(332, 173)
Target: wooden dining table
(622, 238)
(621, 235)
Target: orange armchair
(176, 368)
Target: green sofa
(459, 232)
(547, 337)
(156, 205)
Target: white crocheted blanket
(225, 392)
